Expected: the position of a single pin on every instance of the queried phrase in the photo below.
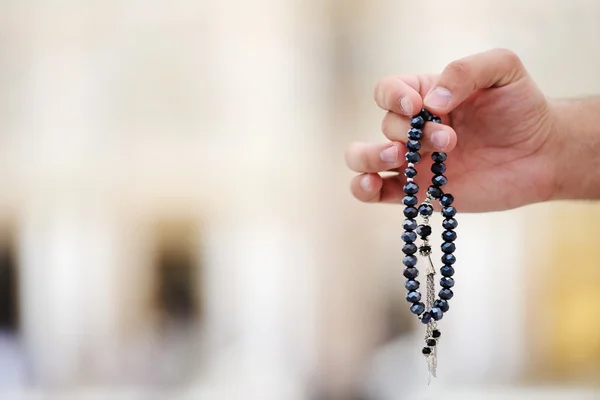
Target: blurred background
(176, 223)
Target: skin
(507, 144)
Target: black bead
(437, 313)
(447, 283)
(442, 305)
(439, 180)
(409, 261)
(447, 270)
(415, 134)
(410, 212)
(413, 145)
(425, 249)
(409, 249)
(438, 168)
(417, 308)
(448, 247)
(425, 114)
(426, 318)
(426, 351)
(436, 333)
(409, 224)
(448, 259)
(449, 212)
(431, 342)
(410, 172)
(438, 157)
(412, 157)
(423, 230)
(409, 237)
(410, 200)
(411, 188)
(412, 285)
(449, 223)
(417, 122)
(447, 199)
(425, 209)
(449, 236)
(436, 120)
(435, 192)
(446, 294)
(413, 297)
(411, 273)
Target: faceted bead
(425, 114)
(415, 134)
(447, 283)
(417, 308)
(417, 122)
(410, 200)
(442, 305)
(431, 342)
(409, 249)
(436, 120)
(409, 224)
(446, 294)
(437, 313)
(409, 261)
(423, 231)
(435, 192)
(438, 157)
(409, 237)
(425, 209)
(448, 247)
(426, 350)
(412, 285)
(439, 180)
(412, 157)
(410, 212)
(411, 273)
(413, 145)
(448, 259)
(426, 318)
(449, 223)
(411, 188)
(449, 236)
(410, 172)
(449, 212)
(413, 297)
(438, 168)
(447, 270)
(447, 199)
(436, 333)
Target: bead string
(433, 310)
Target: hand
(497, 127)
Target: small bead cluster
(412, 229)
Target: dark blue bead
(435, 192)
(448, 247)
(410, 200)
(437, 313)
(409, 261)
(438, 157)
(423, 231)
(426, 318)
(439, 180)
(417, 309)
(411, 273)
(426, 350)
(447, 199)
(436, 120)
(448, 259)
(450, 223)
(438, 168)
(410, 172)
(446, 294)
(413, 297)
(442, 305)
(431, 342)
(425, 114)
(412, 285)
(409, 237)
(447, 283)
(425, 209)
(415, 134)
(447, 270)
(409, 249)
(409, 224)
(417, 122)
(412, 157)
(411, 188)
(413, 145)
(449, 236)
(436, 333)
(449, 212)
(410, 212)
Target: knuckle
(459, 69)
(510, 56)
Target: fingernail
(439, 98)
(440, 139)
(365, 183)
(389, 155)
(406, 105)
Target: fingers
(368, 157)
(372, 188)
(493, 68)
(401, 95)
(436, 137)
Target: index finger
(403, 94)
